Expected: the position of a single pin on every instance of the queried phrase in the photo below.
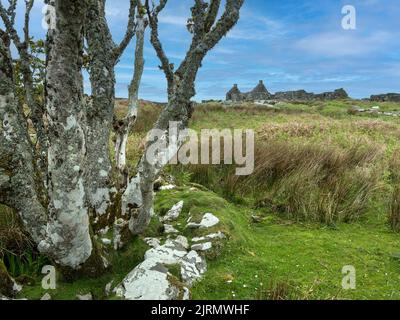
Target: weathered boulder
(148, 281)
(213, 236)
(152, 242)
(168, 229)
(193, 266)
(151, 279)
(174, 213)
(202, 246)
(208, 221)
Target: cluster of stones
(374, 110)
(152, 280)
(260, 93)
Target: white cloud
(172, 19)
(344, 43)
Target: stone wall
(260, 92)
(391, 97)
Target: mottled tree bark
(103, 56)
(36, 106)
(123, 127)
(20, 185)
(207, 32)
(68, 241)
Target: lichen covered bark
(68, 240)
(20, 187)
(207, 32)
(123, 126)
(99, 109)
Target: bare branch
(229, 18)
(212, 14)
(123, 126)
(155, 40)
(130, 30)
(28, 9)
(8, 17)
(12, 10)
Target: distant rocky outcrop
(388, 97)
(260, 92)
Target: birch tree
(207, 30)
(104, 54)
(56, 197)
(63, 178)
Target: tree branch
(8, 17)
(130, 30)
(155, 40)
(28, 9)
(212, 14)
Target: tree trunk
(20, 184)
(98, 169)
(138, 199)
(69, 241)
(123, 127)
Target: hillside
(324, 195)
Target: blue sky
(291, 44)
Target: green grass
(122, 263)
(310, 256)
(301, 260)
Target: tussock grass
(302, 181)
(13, 237)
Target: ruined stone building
(391, 97)
(260, 92)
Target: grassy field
(325, 194)
(297, 251)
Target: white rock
(202, 246)
(180, 243)
(208, 221)
(165, 255)
(169, 229)
(183, 241)
(107, 289)
(167, 187)
(152, 242)
(106, 241)
(174, 213)
(46, 297)
(212, 236)
(193, 267)
(186, 294)
(148, 281)
(85, 296)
